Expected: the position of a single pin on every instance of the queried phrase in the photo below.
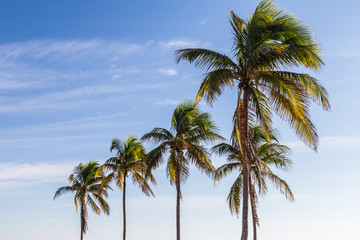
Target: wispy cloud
(84, 96)
(17, 175)
(168, 72)
(63, 127)
(182, 43)
(168, 102)
(330, 143)
(203, 22)
(64, 50)
(78, 74)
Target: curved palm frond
(205, 59)
(234, 196)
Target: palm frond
(205, 59)
(63, 190)
(214, 84)
(234, 196)
(141, 181)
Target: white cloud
(168, 72)
(330, 143)
(75, 98)
(42, 63)
(76, 124)
(16, 175)
(181, 43)
(78, 74)
(203, 22)
(64, 50)
(168, 102)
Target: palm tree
(271, 154)
(88, 189)
(189, 128)
(129, 161)
(267, 43)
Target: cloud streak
(78, 74)
(330, 143)
(168, 72)
(17, 175)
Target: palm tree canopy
(129, 161)
(271, 154)
(88, 188)
(189, 128)
(267, 43)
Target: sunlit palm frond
(214, 84)
(234, 196)
(198, 155)
(157, 135)
(141, 181)
(63, 190)
(93, 205)
(205, 59)
(226, 169)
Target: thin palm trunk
(178, 196)
(254, 215)
(244, 132)
(254, 230)
(124, 208)
(245, 212)
(82, 220)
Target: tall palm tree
(189, 128)
(267, 43)
(129, 161)
(271, 154)
(88, 189)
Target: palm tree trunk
(254, 230)
(244, 138)
(254, 218)
(124, 208)
(245, 211)
(82, 221)
(82, 226)
(178, 197)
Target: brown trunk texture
(124, 208)
(178, 196)
(245, 212)
(243, 127)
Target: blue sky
(75, 74)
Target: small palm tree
(271, 154)
(89, 189)
(129, 161)
(189, 128)
(267, 43)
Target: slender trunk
(254, 220)
(82, 220)
(254, 230)
(243, 128)
(245, 211)
(253, 201)
(178, 197)
(82, 225)
(124, 208)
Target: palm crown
(271, 154)
(189, 129)
(267, 43)
(129, 161)
(89, 189)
